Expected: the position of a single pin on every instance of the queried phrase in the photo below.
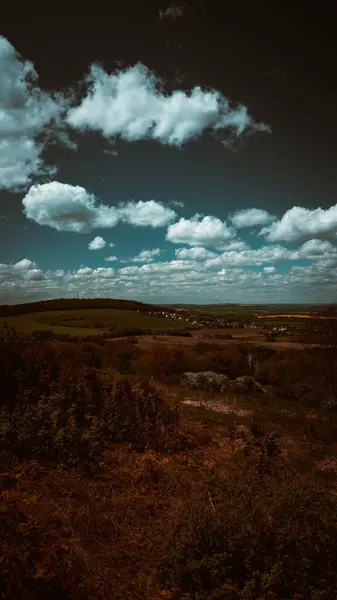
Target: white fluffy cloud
(194, 253)
(72, 208)
(23, 265)
(131, 105)
(97, 243)
(25, 113)
(147, 214)
(111, 258)
(146, 255)
(311, 250)
(178, 280)
(67, 208)
(316, 248)
(299, 222)
(200, 231)
(250, 217)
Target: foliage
(259, 531)
(161, 361)
(55, 407)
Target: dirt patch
(219, 407)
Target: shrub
(121, 356)
(44, 335)
(257, 531)
(163, 362)
(54, 407)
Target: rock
(206, 380)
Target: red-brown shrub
(163, 362)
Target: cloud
(299, 222)
(177, 203)
(111, 258)
(110, 152)
(311, 250)
(66, 207)
(177, 281)
(234, 245)
(27, 116)
(200, 231)
(24, 264)
(146, 214)
(172, 12)
(97, 243)
(130, 104)
(250, 217)
(195, 253)
(146, 255)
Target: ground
(87, 321)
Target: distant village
(221, 323)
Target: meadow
(84, 322)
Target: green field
(87, 321)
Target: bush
(121, 356)
(44, 335)
(257, 531)
(163, 362)
(54, 407)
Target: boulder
(206, 380)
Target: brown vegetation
(109, 490)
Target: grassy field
(87, 321)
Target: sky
(169, 153)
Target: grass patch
(87, 321)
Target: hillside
(7, 310)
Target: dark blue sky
(167, 171)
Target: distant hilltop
(9, 310)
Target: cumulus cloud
(24, 264)
(130, 104)
(146, 214)
(311, 250)
(111, 258)
(67, 207)
(250, 217)
(299, 222)
(146, 255)
(316, 248)
(200, 231)
(26, 113)
(179, 280)
(194, 253)
(97, 243)
(234, 245)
